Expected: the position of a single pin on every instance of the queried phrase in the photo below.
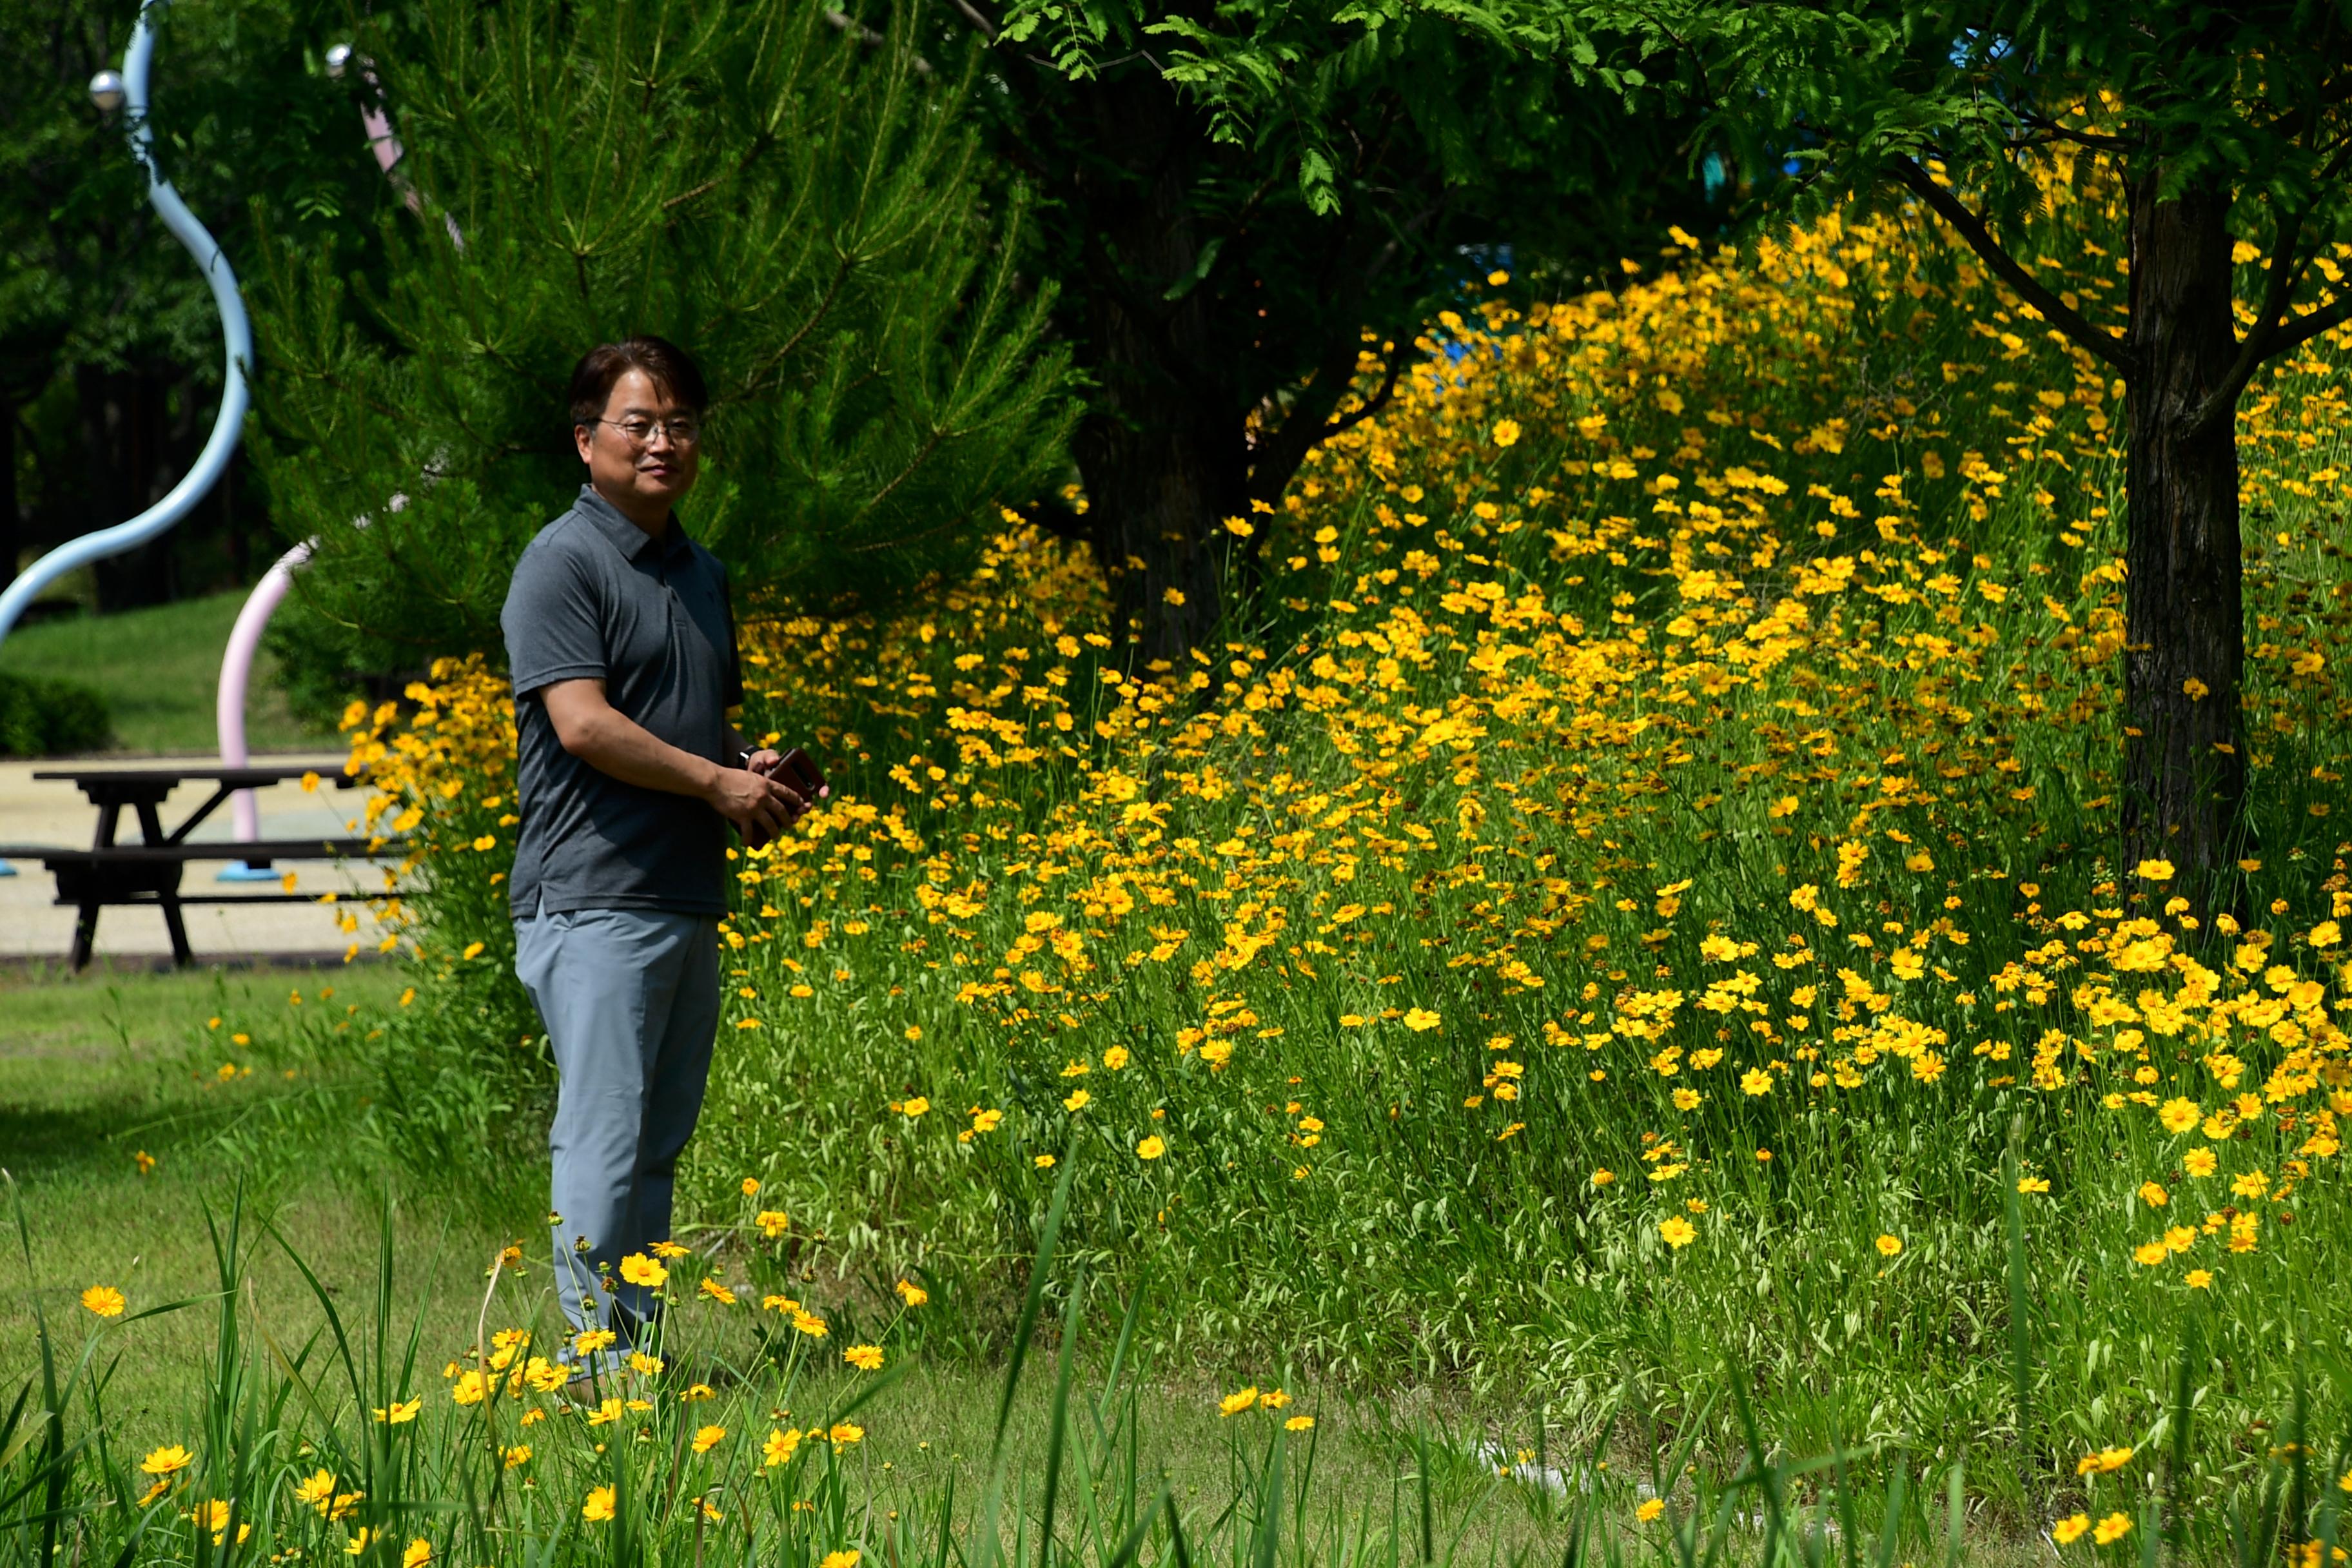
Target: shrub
(41, 716)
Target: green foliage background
(792, 201)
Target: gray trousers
(630, 998)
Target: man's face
(643, 478)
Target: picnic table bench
(148, 871)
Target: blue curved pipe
(236, 335)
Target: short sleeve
(553, 626)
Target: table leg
(85, 932)
(182, 955)
(151, 825)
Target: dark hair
(667, 364)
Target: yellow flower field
(1639, 894)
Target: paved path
(32, 926)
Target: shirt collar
(627, 538)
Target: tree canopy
(2228, 131)
(110, 349)
(1229, 314)
(791, 199)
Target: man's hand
(752, 801)
(588, 726)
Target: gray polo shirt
(595, 596)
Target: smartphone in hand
(797, 771)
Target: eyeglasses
(682, 430)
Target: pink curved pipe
(237, 671)
(244, 637)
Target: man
(622, 647)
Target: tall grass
(336, 1442)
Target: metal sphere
(339, 59)
(107, 91)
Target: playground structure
(128, 90)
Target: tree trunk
(2184, 762)
(12, 520)
(1162, 446)
(127, 452)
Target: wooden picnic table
(148, 871)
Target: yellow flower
(1650, 1509)
(2032, 1185)
(709, 1438)
(2114, 1527)
(1234, 1404)
(166, 1460)
(772, 1222)
(2156, 870)
(315, 1489)
(1042, 1162)
(1421, 1020)
(2179, 1115)
(913, 1295)
(360, 1540)
(418, 1553)
(2326, 934)
(1677, 1231)
(214, 1516)
(2198, 1278)
(1888, 1245)
(779, 1447)
(866, 1358)
(1507, 432)
(840, 1560)
(1299, 1423)
(1756, 1080)
(716, 1291)
(1151, 1148)
(639, 1270)
(2105, 1462)
(1078, 1102)
(599, 1506)
(916, 1107)
(843, 1433)
(2199, 1163)
(400, 1414)
(812, 1325)
(104, 1300)
(2068, 1531)
(751, 1186)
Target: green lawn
(98, 1069)
(159, 670)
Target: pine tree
(785, 194)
